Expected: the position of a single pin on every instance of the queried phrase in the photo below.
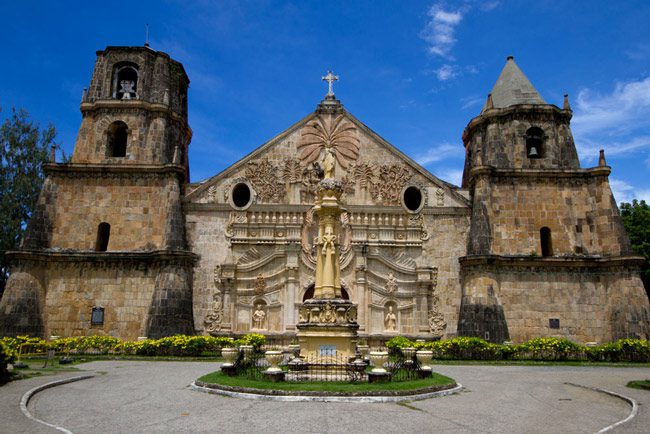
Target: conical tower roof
(513, 87)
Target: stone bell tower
(105, 250)
(547, 253)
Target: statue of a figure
(329, 163)
(390, 322)
(258, 317)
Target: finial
(84, 95)
(330, 79)
(53, 154)
(510, 58)
(166, 97)
(489, 104)
(566, 105)
(601, 158)
(146, 38)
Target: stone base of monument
(274, 376)
(378, 377)
(328, 328)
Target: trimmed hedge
(178, 345)
(548, 349)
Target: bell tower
(543, 230)
(105, 250)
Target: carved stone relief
(334, 133)
(260, 284)
(328, 314)
(264, 177)
(214, 317)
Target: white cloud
(625, 192)
(440, 29)
(618, 122)
(446, 72)
(453, 176)
(471, 101)
(440, 152)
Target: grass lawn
(327, 386)
(640, 384)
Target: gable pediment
(286, 169)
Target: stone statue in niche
(390, 322)
(259, 317)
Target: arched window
(103, 234)
(547, 244)
(535, 143)
(125, 81)
(116, 139)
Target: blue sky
(415, 72)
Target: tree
(24, 147)
(636, 219)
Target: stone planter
(274, 358)
(363, 350)
(409, 353)
(247, 350)
(424, 357)
(229, 356)
(378, 358)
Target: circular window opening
(241, 195)
(412, 198)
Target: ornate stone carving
(264, 177)
(212, 194)
(214, 317)
(292, 171)
(392, 180)
(384, 182)
(335, 133)
(260, 284)
(440, 197)
(235, 217)
(328, 313)
(391, 284)
(437, 323)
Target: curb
(631, 401)
(24, 401)
(328, 398)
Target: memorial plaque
(327, 350)
(554, 323)
(97, 317)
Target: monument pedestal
(328, 328)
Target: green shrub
(623, 350)
(254, 339)
(7, 355)
(549, 349)
(395, 344)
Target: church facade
(121, 244)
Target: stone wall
(136, 206)
(593, 302)
(510, 208)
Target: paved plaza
(147, 397)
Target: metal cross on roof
(330, 79)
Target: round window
(412, 198)
(241, 195)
